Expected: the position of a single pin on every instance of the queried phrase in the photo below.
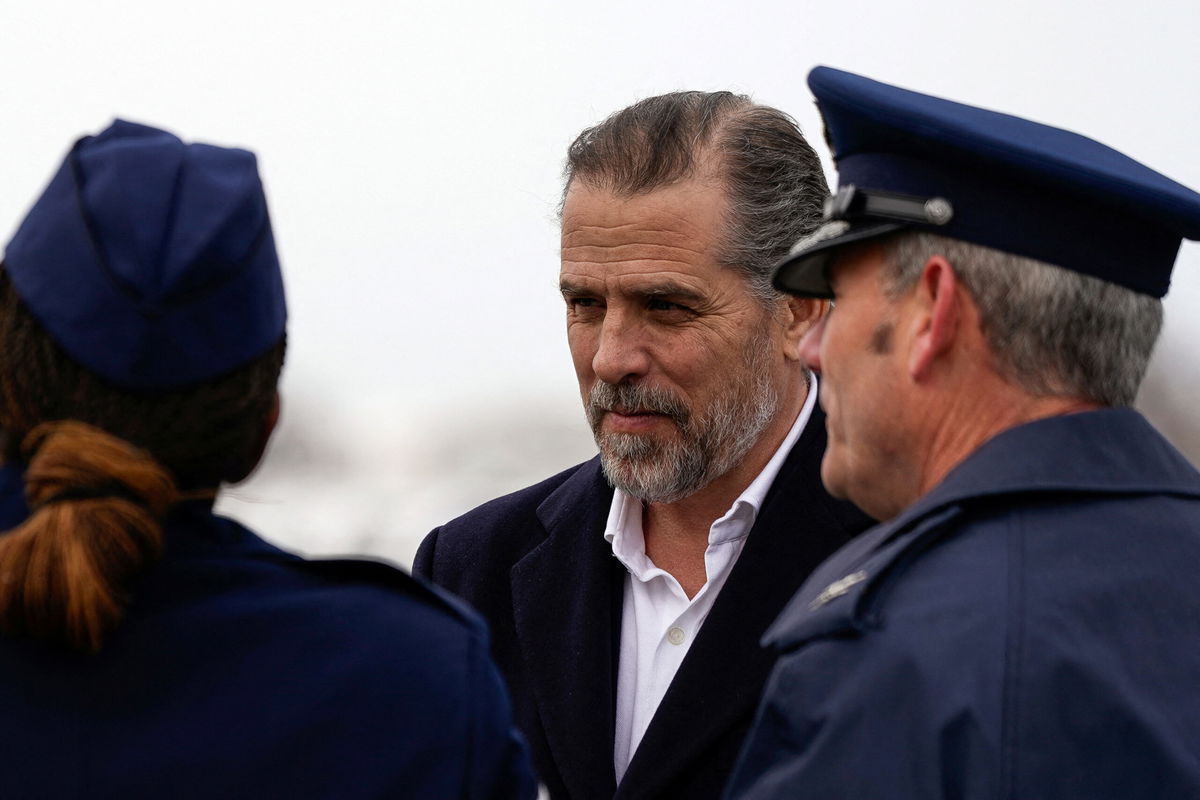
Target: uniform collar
(191, 526)
(1108, 452)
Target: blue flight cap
(150, 261)
(910, 161)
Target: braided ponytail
(96, 508)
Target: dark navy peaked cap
(152, 261)
(908, 160)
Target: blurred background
(412, 154)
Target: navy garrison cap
(150, 261)
(910, 161)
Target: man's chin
(832, 477)
(625, 445)
(839, 485)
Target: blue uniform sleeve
(498, 762)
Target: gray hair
(1052, 331)
(772, 178)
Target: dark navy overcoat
(241, 671)
(536, 564)
(1030, 629)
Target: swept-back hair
(772, 178)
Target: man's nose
(810, 345)
(621, 351)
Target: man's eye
(666, 305)
(582, 303)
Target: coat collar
(1110, 452)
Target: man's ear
(937, 300)
(801, 314)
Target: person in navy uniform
(1025, 622)
(627, 594)
(151, 648)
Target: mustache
(635, 398)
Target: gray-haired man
(627, 595)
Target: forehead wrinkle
(654, 279)
(633, 233)
(631, 253)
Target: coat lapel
(722, 676)
(566, 605)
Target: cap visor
(805, 271)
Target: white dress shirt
(658, 621)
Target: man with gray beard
(627, 595)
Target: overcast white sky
(412, 153)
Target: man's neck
(676, 534)
(968, 425)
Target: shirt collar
(623, 530)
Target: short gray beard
(710, 442)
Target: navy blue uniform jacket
(536, 564)
(1029, 629)
(243, 671)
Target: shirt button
(676, 635)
